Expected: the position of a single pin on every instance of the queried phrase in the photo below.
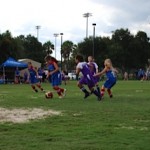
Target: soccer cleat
(99, 98)
(60, 97)
(64, 93)
(43, 91)
(86, 95)
(111, 96)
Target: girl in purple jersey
(92, 65)
(87, 78)
(94, 69)
(111, 77)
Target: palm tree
(48, 47)
(66, 51)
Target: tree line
(127, 51)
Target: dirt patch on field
(25, 115)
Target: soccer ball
(48, 95)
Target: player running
(33, 78)
(94, 69)
(111, 77)
(87, 78)
(55, 75)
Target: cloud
(66, 16)
(126, 14)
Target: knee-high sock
(102, 91)
(98, 89)
(61, 89)
(33, 87)
(39, 86)
(58, 90)
(96, 92)
(84, 90)
(109, 92)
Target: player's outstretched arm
(100, 73)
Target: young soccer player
(93, 66)
(17, 76)
(64, 77)
(33, 77)
(111, 77)
(94, 69)
(55, 74)
(87, 78)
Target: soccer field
(29, 121)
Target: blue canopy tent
(12, 63)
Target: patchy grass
(24, 115)
(121, 123)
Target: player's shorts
(90, 83)
(109, 83)
(34, 80)
(56, 80)
(63, 78)
(97, 79)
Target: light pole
(37, 28)
(94, 24)
(148, 62)
(61, 48)
(87, 15)
(55, 35)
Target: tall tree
(34, 49)
(141, 49)
(19, 46)
(100, 48)
(67, 48)
(6, 46)
(48, 47)
(122, 39)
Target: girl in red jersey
(55, 74)
(34, 77)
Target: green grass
(120, 123)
